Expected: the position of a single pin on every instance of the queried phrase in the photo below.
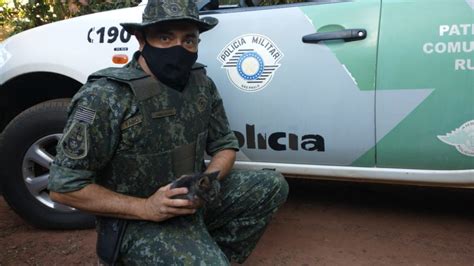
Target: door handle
(348, 35)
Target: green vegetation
(18, 16)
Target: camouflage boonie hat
(157, 11)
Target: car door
(293, 101)
(426, 65)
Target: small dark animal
(203, 186)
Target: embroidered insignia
(164, 113)
(131, 122)
(74, 143)
(84, 114)
(201, 103)
(173, 8)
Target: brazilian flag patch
(74, 143)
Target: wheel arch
(26, 90)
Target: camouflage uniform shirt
(104, 118)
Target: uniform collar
(134, 63)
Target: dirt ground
(323, 223)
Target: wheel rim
(36, 164)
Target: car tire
(27, 147)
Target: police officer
(133, 130)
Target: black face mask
(171, 66)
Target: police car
(364, 90)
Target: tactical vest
(165, 139)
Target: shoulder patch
(84, 114)
(75, 142)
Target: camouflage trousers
(215, 235)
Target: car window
(230, 2)
(219, 6)
(269, 2)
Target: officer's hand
(160, 206)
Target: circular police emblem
(250, 61)
(250, 66)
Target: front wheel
(27, 148)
